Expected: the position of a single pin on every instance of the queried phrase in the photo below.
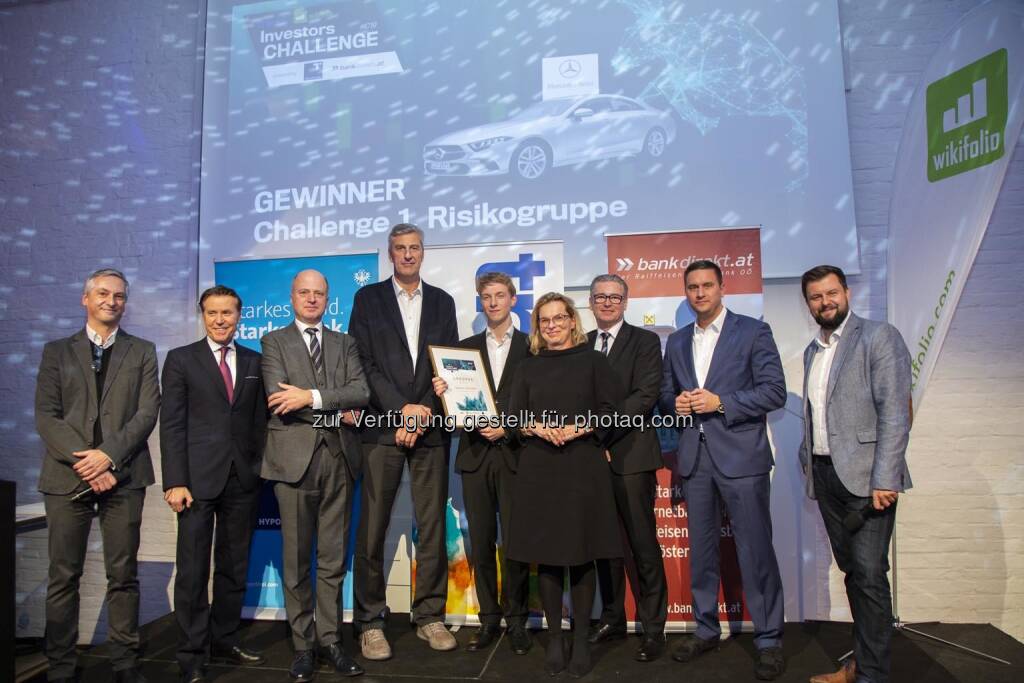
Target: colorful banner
(265, 289)
(535, 268)
(652, 264)
(963, 123)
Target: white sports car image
(553, 133)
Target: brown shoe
(847, 674)
(437, 635)
(374, 645)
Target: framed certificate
(469, 393)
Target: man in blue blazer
(856, 428)
(724, 371)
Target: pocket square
(252, 376)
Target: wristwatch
(721, 407)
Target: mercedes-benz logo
(569, 68)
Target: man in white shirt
(857, 419)
(488, 463)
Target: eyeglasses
(610, 298)
(559, 320)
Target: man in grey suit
(312, 374)
(97, 399)
(856, 427)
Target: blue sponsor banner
(265, 288)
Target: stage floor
(810, 648)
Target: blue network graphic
(713, 66)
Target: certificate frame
(469, 395)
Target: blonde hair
(494, 278)
(537, 342)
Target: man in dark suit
(394, 321)
(211, 441)
(635, 355)
(97, 400)
(724, 371)
(488, 463)
(311, 373)
(857, 417)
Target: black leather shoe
(770, 664)
(128, 676)
(303, 666)
(484, 637)
(236, 654)
(691, 647)
(342, 663)
(196, 675)
(519, 639)
(651, 647)
(602, 633)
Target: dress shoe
(519, 639)
(374, 645)
(437, 635)
(770, 664)
(651, 647)
(604, 632)
(847, 674)
(196, 675)
(128, 676)
(691, 647)
(303, 666)
(236, 654)
(342, 663)
(484, 637)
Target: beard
(835, 322)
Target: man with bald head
(313, 377)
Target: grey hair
(404, 229)
(610, 277)
(90, 281)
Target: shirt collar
(215, 347)
(612, 331)
(715, 326)
(96, 339)
(489, 334)
(835, 336)
(303, 327)
(400, 292)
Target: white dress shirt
(97, 339)
(230, 357)
(497, 352)
(411, 307)
(817, 387)
(318, 402)
(613, 333)
(704, 341)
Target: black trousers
(487, 492)
(316, 510)
(634, 498)
(382, 475)
(120, 513)
(863, 556)
(234, 512)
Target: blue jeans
(863, 557)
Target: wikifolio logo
(966, 113)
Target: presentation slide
(325, 123)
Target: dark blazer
(201, 434)
(472, 446)
(746, 373)
(635, 357)
(291, 438)
(376, 324)
(66, 408)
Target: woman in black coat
(563, 514)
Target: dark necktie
(604, 342)
(314, 352)
(225, 373)
(97, 358)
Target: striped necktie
(315, 353)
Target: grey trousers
(315, 510)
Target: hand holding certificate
(468, 394)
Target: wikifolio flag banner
(963, 124)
